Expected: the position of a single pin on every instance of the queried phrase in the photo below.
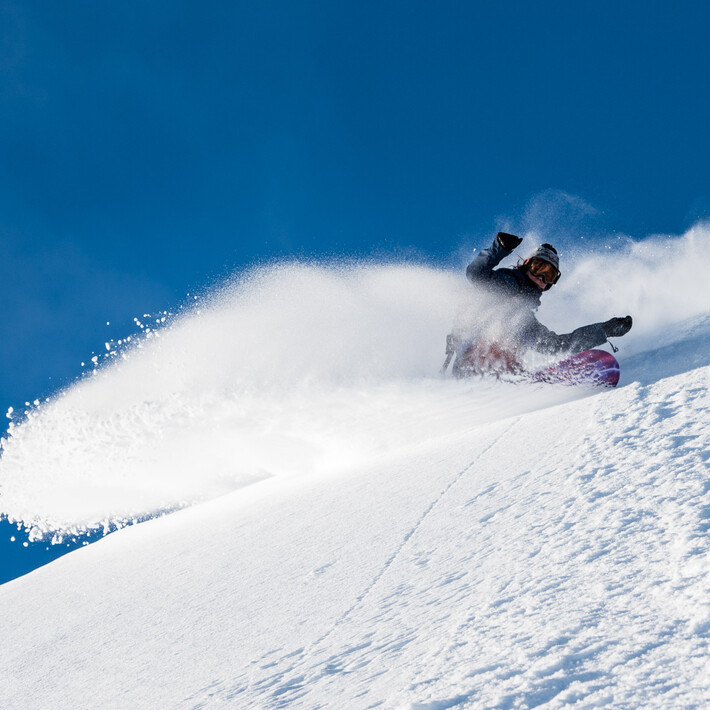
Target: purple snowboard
(591, 367)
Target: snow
(357, 532)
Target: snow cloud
(304, 368)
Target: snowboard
(596, 368)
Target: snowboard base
(596, 368)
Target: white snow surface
(361, 533)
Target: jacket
(516, 290)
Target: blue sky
(149, 148)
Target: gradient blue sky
(147, 148)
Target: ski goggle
(546, 271)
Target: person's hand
(616, 327)
(508, 241)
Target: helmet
(546, 253)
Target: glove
(508, 241)
(616, 327)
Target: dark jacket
(513, 285)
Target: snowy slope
(369, 537)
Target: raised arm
(480, 270)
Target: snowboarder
(509, 327)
